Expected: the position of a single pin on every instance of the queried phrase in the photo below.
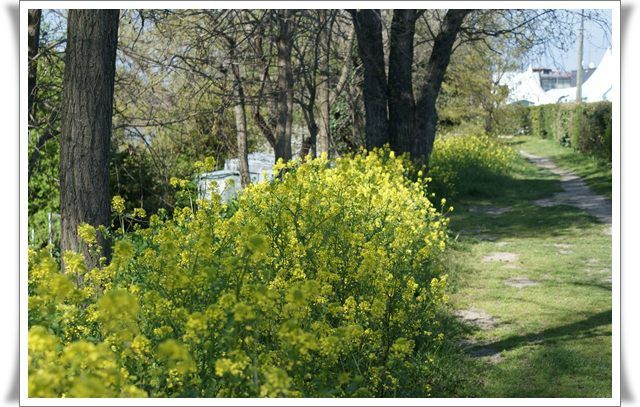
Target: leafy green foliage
(325, 282)
(594, 130)
(512, 119)
(43, 143)
(347, 123)
(463, 165)
(585, 127)
(470, 95)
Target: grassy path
(533, 285)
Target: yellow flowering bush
(118, 204)
(467, 164)
(324, 282)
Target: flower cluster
(324, 282)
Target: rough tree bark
(426, 114)
(285, 85)
(87, 105)
(401, 101)
(308, 111)
(34, 45)
(368, 28)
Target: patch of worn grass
(554, 338)
(595, 171)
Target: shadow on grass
(554, 371)
(454, 374)
(525, 182)
(602, 286)
(524, 221)
(518, 191)
(511, 142)
(559, 367)
(567, 365)
(585, 328)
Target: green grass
(554, 339)
(595, 171)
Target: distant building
(550, 79)
(553, 79)
(538, 86)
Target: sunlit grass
(554, 338)
(595, 171)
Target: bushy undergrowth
(468, 165)
(586, 127)
(325, 282)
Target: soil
(575, 191)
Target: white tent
(562, 95)
(598, 86)
(524, 87)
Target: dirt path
(575, 191)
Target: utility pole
(579, 73)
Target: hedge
(585, 127)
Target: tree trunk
(401, 102)
(309, 143)
(34, 45)
(323, 86)
(265, 128)
(241, 125)
(426, 115)
(285, 85)
(87, 106)
(368, 27)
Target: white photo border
(612, 5)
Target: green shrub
(322, 283)
(543, 120)
(512, 119)
(585, 127)
(594, 133)
(463, 165)
(563, 129)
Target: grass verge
(595, 171)
(550, 337)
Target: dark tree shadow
(524, 221)
(550, 370)
(554, 365)
(585, 328)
